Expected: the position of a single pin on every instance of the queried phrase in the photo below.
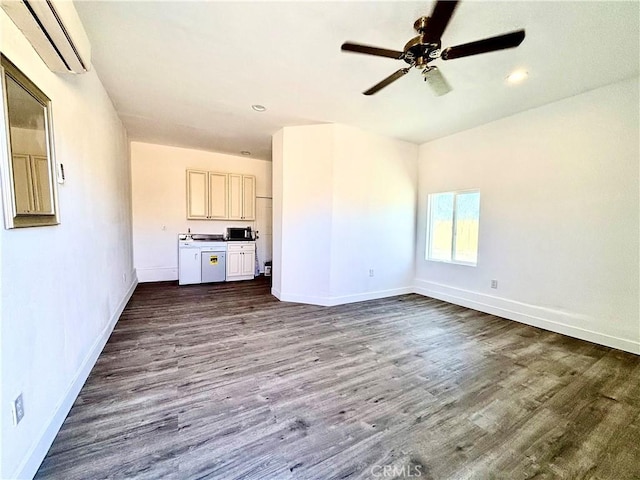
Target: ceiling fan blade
(390, 79)
(366, 49)
(438, 21)
(436, 81)
(501, 42)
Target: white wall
(159, 201)
(63, 287)
(277, 147)
(346, 204)
(304, 219)
(559, 213)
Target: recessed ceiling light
(245, 152)
(259, 108)
(517, 77)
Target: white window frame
(453, 229)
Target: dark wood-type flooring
(223, 381)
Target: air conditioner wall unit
(55, 31)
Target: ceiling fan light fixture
(259, 108)
(517, 76)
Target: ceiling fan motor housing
(419, 53)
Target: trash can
(267, 269)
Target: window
(452, 227)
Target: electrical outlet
(494, 283)
(18, 410)
(371, 272)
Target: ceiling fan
(425, 47)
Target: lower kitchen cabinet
(189, 266)
(241, 260)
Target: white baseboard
(545, 318)
(35, 456)
(160, 274)
(340, 300)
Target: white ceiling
(187, 73)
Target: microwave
(239, 234)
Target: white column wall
(348, 201)
(305, 208)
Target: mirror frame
(11, 218)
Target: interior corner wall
(348, 211)
(63, 287)
(159, 202)
(559, 216)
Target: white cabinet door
(234, 264)
(41, 184)
(197, 194)
(248, 263)
(218, 197)
(235, 196)
(248, 197)
(189, 266)
(23, 184)
(264, 213)
(242, 197)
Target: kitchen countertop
(209, 237)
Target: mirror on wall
(27, 169)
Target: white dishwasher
(213, 264)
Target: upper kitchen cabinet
(242, 197)
(206, 195)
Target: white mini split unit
(54, 30)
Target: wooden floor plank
(222, 381)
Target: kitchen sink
(203, 237)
